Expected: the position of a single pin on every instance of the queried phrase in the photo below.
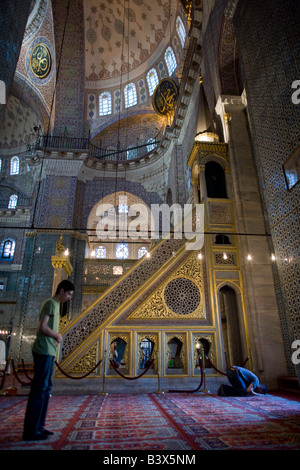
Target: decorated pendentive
(165, 97)
(39, 60)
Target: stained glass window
(152, 80)
(14, 166)
(7, 249)
(122, 251)
(13, 201)
(123, 209)
(292, 177)
(104, 103)
(180, 30)
(142, 251)
(151, 145)
(170, 60)
(130, 95)
(100, 252)
(132, 153)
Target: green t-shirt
(45, 344)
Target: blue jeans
(39, 395)
(237, 387)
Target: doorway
(231, 327)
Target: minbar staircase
(82, 334)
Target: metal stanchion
(204, 389)
(226, 360)
(103, 378)
(251, 360)
(158, 374)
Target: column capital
(62, 262)
(230, 103)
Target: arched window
(14, 165)
(215, 180)
(222, 239)
(142, 251)
(122, 251)
(12, 204)
(130, 95)
(132, 153)
(170, 60)
(292, 178)
(152, 80)
(151, 145)
(104, 103)
(123, 209)
(169, 197)
(100, 252)
(180, 30)
(7, 249)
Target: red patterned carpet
(158, 422)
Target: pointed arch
(232, 323)
(215, 180)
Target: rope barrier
(245, 361)
(25, 372)
(196, 389)
(219, 371)
(113, 364)
(30, 379)
(214, 367)
(16, 375)
(77, 378)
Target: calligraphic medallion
(165, 97)
(40, 61)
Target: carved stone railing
(104, 272)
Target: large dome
(125, 38)
(124, 42)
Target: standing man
(44, 352)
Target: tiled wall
(268, 38)
(13, 18)
(70, 67)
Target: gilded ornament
(86, 363)
(165, 97)
(156, 307)
(227, 117)
(40, 61)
